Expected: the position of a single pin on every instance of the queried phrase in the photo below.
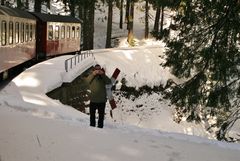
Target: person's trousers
(100, 107)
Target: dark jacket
(97, 87)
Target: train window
(31, 32)
(4, 33)
(78, 32)
(34, 31)
(73, 32)
(57, 32)
(50, 32)
(17, 32)
(68, 31)
(27, 32)
(10, 32)
(22, 32)
(63, 32)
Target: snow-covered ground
(35, 127)
(121, 34)
(141, 66)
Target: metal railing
(73, 61)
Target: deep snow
(35, 127)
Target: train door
(41, 40)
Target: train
(30, 36)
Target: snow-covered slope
(141, 66)
(34, 127)
(27, 138)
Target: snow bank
(27, 91)
(35, 127)
(139, 65)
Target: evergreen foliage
(206, 52)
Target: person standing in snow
(97, 81)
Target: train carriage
(17, 37)
(57, 34)
(26, 36)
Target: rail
(79, 57)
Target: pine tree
(2, 2)
(38, 5)
(156, 21)
(88, 14)
(146, 19)
(109, 23)
(71, 4)
(23, 5)
(19, 4)
(160, 6)
(206, 52)
(121, 15)
(127, 11)
(91, 24)
(130, 22)
(27, 4)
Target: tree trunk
(85, 28)
(27, 4)
(88, 24)
(109, 24)
(48, 4)
(146, 20)
(162, 19)
(130, 23)
(72, 7)
(127, 12)
(91, 25)
(157, 18)
(19, 4)
(38, 6)
(80, 10)
(121, 15)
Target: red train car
(26, 36)
(57, 34)
(17, 37)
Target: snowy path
(28, 138)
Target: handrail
(80, 56)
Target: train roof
(55, 18)
(15, 12)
